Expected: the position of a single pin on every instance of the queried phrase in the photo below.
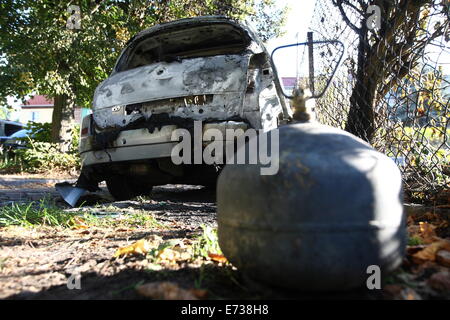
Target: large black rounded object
(333, 209)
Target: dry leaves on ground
(142, 246)
(401, 292)
(175, 254)
(433, 248)
(424, 231)
(217, 257)
(78, 223)
(427, 261)
(443, 258)
(169, 291)
(440, 281)
(165, 253)
(429, 253)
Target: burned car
(210, 69)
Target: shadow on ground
(122, 285)
(220, 282)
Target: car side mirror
(315, 70)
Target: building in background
(40, 109)
(36, 109)
(288, 83)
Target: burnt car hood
(162, 80)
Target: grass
(34, 213)
(209, 274)
(46, 213)
(217, 278)
(139, 219)
(414, 241)
(207, 242)
(10, 165)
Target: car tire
(123, 188)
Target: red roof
(38, 101)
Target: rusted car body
(210, 68)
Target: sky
(296, 27)
(299, 17)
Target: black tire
(123, 188)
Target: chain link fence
(393, 85)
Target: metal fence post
(311, 61)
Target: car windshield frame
(165, 43)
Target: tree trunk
(360, 119)
(62, 121)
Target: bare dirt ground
(38, 262)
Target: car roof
(20, 133)
(177, 24)
(185, 23)
(12, 122)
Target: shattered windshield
(198, 41)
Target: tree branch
(338, 3)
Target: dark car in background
(7, 129)
(18, 140)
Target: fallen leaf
(168, 255)
(431, 216)
(174, 254)
(409, 294)
(165, 291)
(420, 111)
(217, 257)
(78, 223)
(443, 258)
(185, 252)
(443, 224)
(410, 250)
(199, 293)
(413, 230)
(400, 292)
(392, 290)
(142, 246)
(440, 281)
(427, 232)
(139, 247)
(429, 253)
(410, 220)
(427, 267)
